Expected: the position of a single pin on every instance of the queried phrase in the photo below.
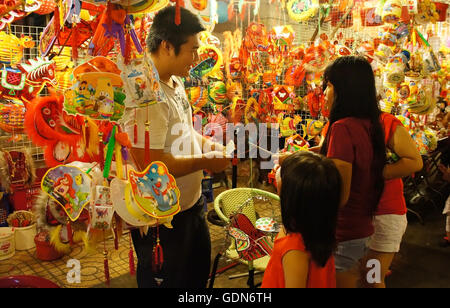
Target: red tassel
(131, 258)
(74, 42)
(158, 257)
(106, 267)
(116, 239)
(135, 133)
(56, 18)
(69, 233)
(131, 262)
(147, 147)
(178, 13)
(128, 47)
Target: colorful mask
(98, 91)
(70, 187)
(27, 82)
(155, 191)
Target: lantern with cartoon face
(256, 37)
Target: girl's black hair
(309, 197)
(355, 96)
(165, 29)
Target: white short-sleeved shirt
(171, 130)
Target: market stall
(67, 87)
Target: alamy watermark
(374, 274)
(251, 140)
(74, 274)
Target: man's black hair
(165, 29)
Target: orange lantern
(47, 7)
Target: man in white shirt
(186, 247)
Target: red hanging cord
(105, 261)
(135, 137)
(131, 258)
(178, 12)
(69, 232)
(158, 257)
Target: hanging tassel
(131, 258)
(116, 239)
(105, 261)
(74, 42)
(147, 144)
(178, 13)
(69, 232)
(127, 44)
(135, 133)
(106, 267)
(158, 257)
(57, 20)
(135, 137)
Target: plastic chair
(235, 201)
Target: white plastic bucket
(7, 243)
(24, 237)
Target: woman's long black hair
(309, 197)
(355, 96)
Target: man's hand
(216, 162)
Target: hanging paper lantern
(197, 96)
(143, 7)
(218, 92)
(222, 11)
(162, 200)
(392, 11)
(64, 60)
(282, 36)
(12, 116)
(47, 7)
(302, 10)
(64, 81)
(98, 90)
(11, 48)
(206, 11)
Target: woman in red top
(355, 142)
(390, 216)
(302, 256)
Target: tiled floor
(420, 263)
(92, 273)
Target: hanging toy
(217, 92)
(70, 187)
(206, 10)
(12, 117)
(98, 91)
(26, 82)
(283, 98)
(60, 135)
(211, 61)
(155, 191)
(302, 10)
(11, 50)
(392, 11)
